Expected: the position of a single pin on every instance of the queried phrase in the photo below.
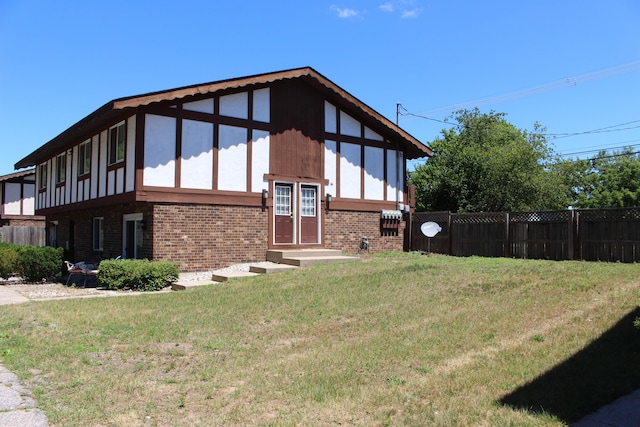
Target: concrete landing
(308, 257)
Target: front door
(284, 213)
(296, 214)
(308, 214)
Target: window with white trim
(61, 168)
(308, 198)
(84, 158)
(116, 143)
(42, 177)
(283, 200)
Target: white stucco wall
(262, 105)
(349, 125)
(12, 193)
(235, 105)
(350, 163)
(330, 161)
(330, 118)
(159, 151)
(232, 158)
(202, 106)
(259, 160)
(373, 173)
(197, 155)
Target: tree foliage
(485, 164)
(603, 181)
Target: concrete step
(183, 286)
(223, 277)
(308, 261)
(277, 255)
(273, 268)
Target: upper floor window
(42, 176)
(61, 168)
(116, 143)
(84, 158)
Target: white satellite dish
(430, 229)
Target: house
(222, 172)
(18, 221)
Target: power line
(536, 90)
(601, 130)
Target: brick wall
(78, 243)
(344, 229)
(204, 237)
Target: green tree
(485, 164)
(604, 180)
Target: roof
(117, 107)
(20, 174)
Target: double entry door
(296, 208)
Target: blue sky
(571, 65)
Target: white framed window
(283, 200)
(116, 143)
(308, 201)
(84, 158)
(98, 233)
(61, 168)
(42, 177)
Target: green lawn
(395, 340)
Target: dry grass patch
(401, 339)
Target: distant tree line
(486, 164)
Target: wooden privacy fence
(23, 235)
(582, 234)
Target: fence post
(506, 251)
(570, 243)
(449, 224)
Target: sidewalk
(9, 296)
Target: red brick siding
(344, 229)
(81, 248)
(204, 237)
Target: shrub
(36, 263)
(8, 260)
(137, 274)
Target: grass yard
(396, 340)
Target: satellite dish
(430, 229)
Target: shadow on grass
(597, 375)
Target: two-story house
(221, 172)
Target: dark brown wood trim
(300, 179)
(178, 150)
(362, 171)
(140, 124)
(165, 195)
(361, 205)
(108, 201)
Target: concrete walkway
(17, 408)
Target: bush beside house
(137, 274)
(32, 263)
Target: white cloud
(387, 7)
(413, 13)
(345, 12)
(403, 6)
